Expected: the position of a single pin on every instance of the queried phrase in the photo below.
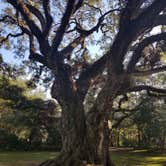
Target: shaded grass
(139, 157)
(121, 158)
(24, 158)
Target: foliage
(24, 116)
(145, 127)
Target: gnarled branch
(137, 53)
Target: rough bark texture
(85, 137)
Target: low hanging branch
(148, 89)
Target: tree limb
(147, 18)
(130, 12)
(126, 115)
(137, 53)
(83, 34)
(64, 23)
(160, 20)
(33, 54)
(12, 20)
(22, 8)
(38, 14)
(69, 48)
(89, 73)
(149, 89)
(149, 72)
(6, 17)
(96, 27)
(11, 35)
(49, 19)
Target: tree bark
(85, 138)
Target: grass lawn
(121, 158)
(24, 158)
(139, 157)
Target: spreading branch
(83, 34)
(22, 8)
(63, 26)
(148, 89)
(130, 12)
(49, 19)
(96, 27)
(38, 14)
(127, 114)
(12, 20)
(66, 52)
(148, 17)
(33, 54)
(149, 72)
(137, 53)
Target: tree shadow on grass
(136, 158)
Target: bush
(10, 141)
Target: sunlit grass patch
(139, 151)
(139, 157)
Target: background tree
(25, 115)
(58, 35)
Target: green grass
(139, 157)
(24, 158)
(121, 158)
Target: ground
(121, 158)
(139, 157)
(24, 158)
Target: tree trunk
(83, 143)
(118, 138)
(139, 137)
(85, 138)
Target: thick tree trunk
(85, 138)
(83, 143)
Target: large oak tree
(58, 34)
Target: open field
(121, 158)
